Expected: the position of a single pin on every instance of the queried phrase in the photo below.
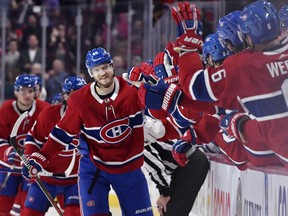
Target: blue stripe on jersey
(30, 139)
(61, 135)
(266, 106)
(199, 89)
(136, 120)
(259, 154)
(180, 120)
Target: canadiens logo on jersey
(20, 139)
(116, 131)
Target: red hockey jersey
(259, 81)
(112, 128)
(9, 113)
(37, 138)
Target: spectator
(31, 27)
(11, 60)
(119, 65)
(31, 55)
(56, 77)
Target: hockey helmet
(228, 28)
(95, 57)
(212, 47)
(58, 98)
(283, 17)
(260, 22)
(73, 83)
(24, 80)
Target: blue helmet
(72, 83)
(97, 56)
(228, 28)
(58, 98)
(24, 80)
(283, 17)
(260, 22)
(38, 80)
(212, 47)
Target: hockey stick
(26, 163)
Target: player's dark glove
(36, 162)
(232, 124)
(184, 147)
(12, 157)
(187, 17)
(160, 95)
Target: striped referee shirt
(160, 164)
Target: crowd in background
(24, 36)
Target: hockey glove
(232, 124)
(183, 148)
(142, 72)
(12, 157)
(172, 55)
(160, 95)
(187, 17)
(36, 162)
(162, 68)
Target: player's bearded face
(104, 75)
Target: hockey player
(109, 116)
(252, 76)
(214, 53)
(35, 141)
(24, 90)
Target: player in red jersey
(108, 115)
(256, 77)
(24, 89)
(35, 141)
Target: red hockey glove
(173, 56)
(232, 124)
(12, 157)
(160, 95)
(36, 162)
(147, 68)
(187, 17)
(140, 73)
(183, 148)
(162, 68)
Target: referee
(178, 186)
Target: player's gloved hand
(12, 157)
(172, 55)
(232, 124)
(187, 17)
(142, 72)
(153, 129)
(159, 95)
(36, 162)
(184, 147)
(162, 68)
